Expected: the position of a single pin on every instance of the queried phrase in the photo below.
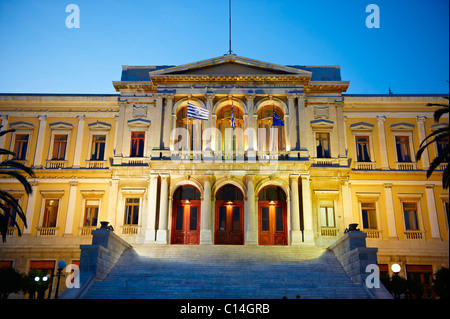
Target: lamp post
(41, 281)
(61, 265)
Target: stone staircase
(226, 272)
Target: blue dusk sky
(39, 54)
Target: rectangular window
(131, 211)
(236, 219)
(21, 146)
(369, 215)
(441, 145)
(323, 145)
(362, 149)
(180, 218)
(9, 214)
(91, 213)
(59, 147)
(278, 219)
(137, 144)
(410, 215)
(193, 218)
(265, 219)
(98, 147)
(50, 213)
(447, 212)
(403, 150)
(222, 217)
(327, 217)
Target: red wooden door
(272, 223)
(186, 222)
(229, 220)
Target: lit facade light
(396, 268)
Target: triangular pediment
(230, 65)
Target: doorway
(186, 216)
(272, 216)
(229, 216)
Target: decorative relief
(321, 112)
(140, 110)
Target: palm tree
(440, 134)
(12, 168)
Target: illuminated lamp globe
(396, 268)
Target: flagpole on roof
(229, 11)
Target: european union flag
(276, 121)
(197, 112)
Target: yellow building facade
(138, 161)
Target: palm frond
(22, 179)
(14, 164)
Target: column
(292, 129)
(296, 235)
(30, 208)
(303, 126)
(341, 134)
(206, 214)
(308, 234)
(347, 203)
(161, 234)
(434, 224)
(120, 120)
(150, 221)
(167, 122)
(157, 127)
(390, 211)
(112, 203)
(251, 234)
(382, 138)
(79, 141)
(40, 141)
(252, 127)
(422, 136)
(71, 208)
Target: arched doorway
(229, 216)
(272, 216)
(186, 215)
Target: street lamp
(61, 265)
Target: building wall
(309, 183)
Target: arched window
(231, 139)
(265, 138)
(186, 192)
(193, 126)
(272, 193)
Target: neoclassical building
(136, 160)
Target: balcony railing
(324, 162)
(372, 233)
(328, 231)
(443, 166)
(414, 234)
(87, 230)
(95, 164)
(135, 161)
(47, 231)
(10, 231)
(365, 166)
(406, 166)
(130, 229)
(56, 164)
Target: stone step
(181, 271)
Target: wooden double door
(186, 222)
(272, 223)
(229, 223)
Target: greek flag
(276, 121)
(233, 123)
(197, 112)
